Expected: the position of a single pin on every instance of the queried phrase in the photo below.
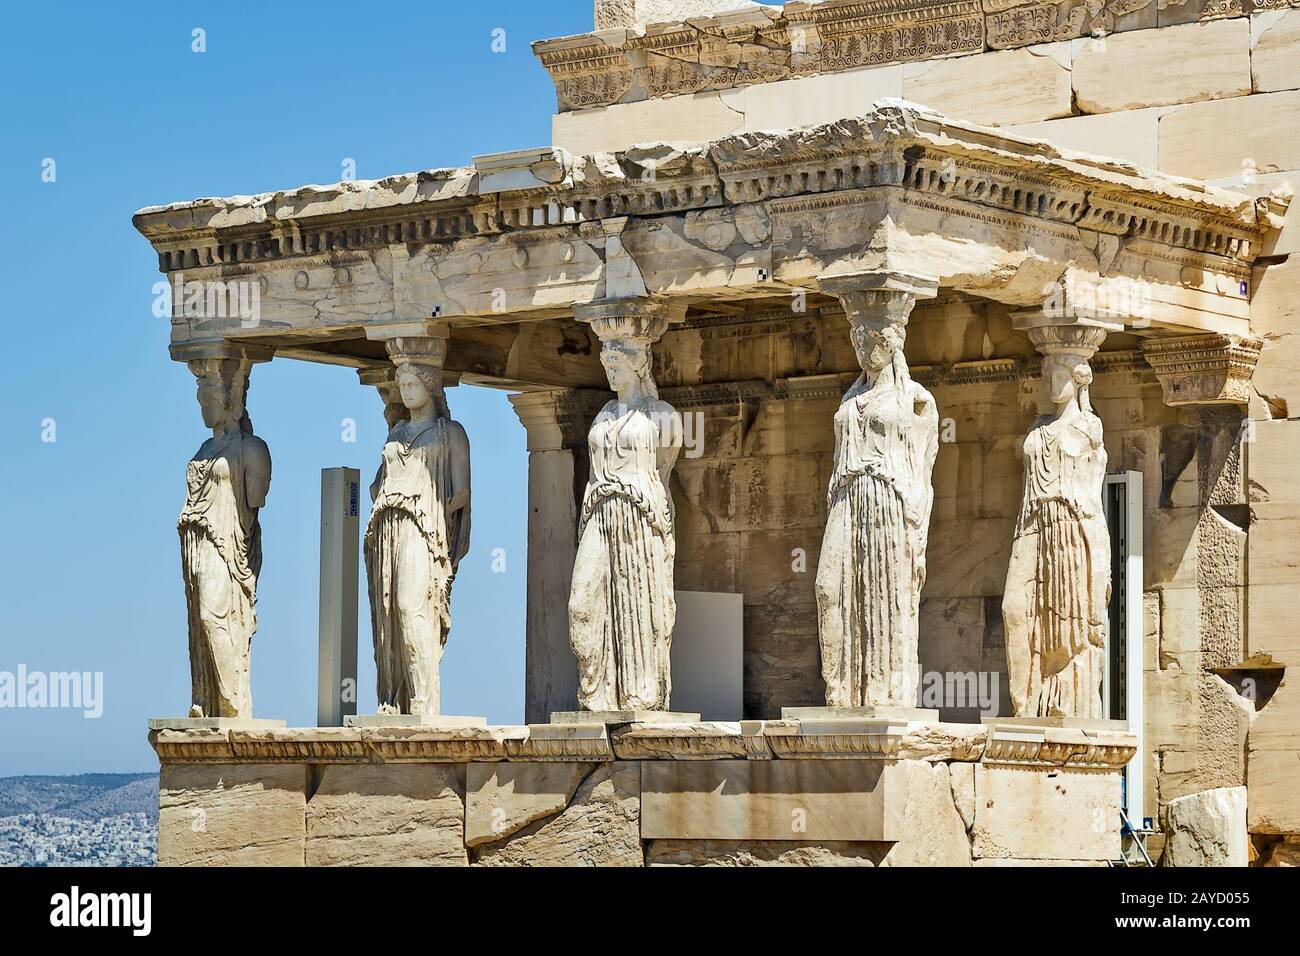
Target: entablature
(527, 236)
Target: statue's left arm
(670, 442)
(458, 504)
(257, 471)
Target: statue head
(628, 365)
(418, 362)
(420, 387)
(877, 345)
(1068, 376)
(222, 385)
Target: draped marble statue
(221, 543)
(417, 533)
(1058, 580)
(872, 563)
(621, 606)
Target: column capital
(557, 418)
(638, 318)
(1204, 369)
(1078, 336)
(878, 299)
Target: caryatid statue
(221, 543)
(417, 533)
(1058, 580)
(872, 563)
(621, 606)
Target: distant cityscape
(103, 819)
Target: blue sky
(89, 559)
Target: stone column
(1054, 605)
(227, 481)
(556, 421)
(872, 563)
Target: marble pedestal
(1023, 724)
(623, 717)
(426, 721)
(213, 723)
(860, 713)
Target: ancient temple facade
(1036, 197)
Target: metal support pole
(340, 523)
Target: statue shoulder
(456, 433)
(255, 450)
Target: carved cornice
(747, 47)
(885, 739)
(1075, 749)
(744, 47)
(1206, 369)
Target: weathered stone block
(1131, 135)
(1027, 814)
(599, 827)
(503, 798)
(1207, 829)
(1275, 50)
(1195, 140)
(995, 89)
(1153, 67)
(387, 815)
(1274, 796)
(762, 853)
(933, 831)
(232, 815)
(799, 800)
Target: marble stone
(599, 827)
(382, 815)
(623, 717)
(503, 798)
(1023, 814)
(1151, 67)
(772, 800)
(763, 853)
(1207, 829)
(212, 723)
(892, 714)
(232, 815)
(431, 721)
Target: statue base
(1023, 724)
(425, 721)
(213, 723)
(623, 717)
(860, 713)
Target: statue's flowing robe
(413, 546)
(872, 562)
(221, 554)
(1056, 661)
(621, 606)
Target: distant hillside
(87, 796)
